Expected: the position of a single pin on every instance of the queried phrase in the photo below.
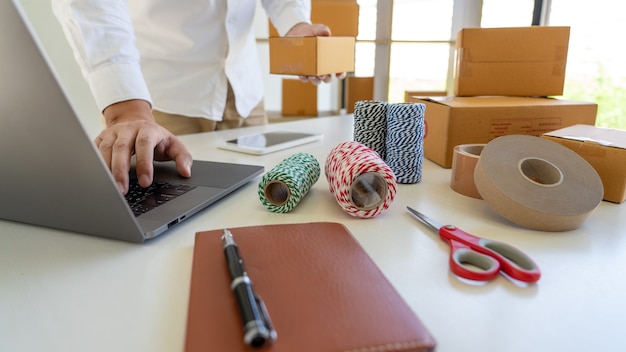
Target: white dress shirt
(177, 55)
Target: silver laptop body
(52, 175)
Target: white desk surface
(67, 292)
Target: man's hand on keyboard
(131, 129)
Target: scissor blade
(434, 225)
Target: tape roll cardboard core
(277, 192)
(541, 172)
(368, 191)
(472, 149)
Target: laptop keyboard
(142, 200)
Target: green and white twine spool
(284, 186)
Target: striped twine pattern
(396, 132)
(370, 125)
(284, 186)
(345, 164)
(404, 146)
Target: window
(414, 36)
(366, 41)
(420, 46)
(595, 62)
(510, 13)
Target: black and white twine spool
(396, 132)
(405, 140)
(370, 125)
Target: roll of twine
(370, 125)
(362, 183)
(283, 187)
(404, 145)
(396, 132)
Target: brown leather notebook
(322, 292)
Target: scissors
(468, 252)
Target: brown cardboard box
(520, 61)
(311, 56)
(411, 95)
(357, 89)
(604, 149)
(452, 121)
(341, 16)
(299, 98)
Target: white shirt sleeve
(285, 14)
(101, 35)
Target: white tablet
(268, 142)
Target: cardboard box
(341, 16)
(299, 98)
(452, 121)
(604, 149)
(311, 56)
(411, 95)
(357, 89)
(521, 61)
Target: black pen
(256, 324)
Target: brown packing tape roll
(537, 183)
(464, 162)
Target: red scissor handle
(468, 251)
(464, 260)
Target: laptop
(53, 175)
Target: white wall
(51, 36)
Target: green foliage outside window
(608, 92)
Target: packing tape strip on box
(537, 183)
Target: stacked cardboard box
(504, 80)
(604, 149)
(523, 61)
(357, 89)
(315, 56)
(341, 16)
(298, 98)
(452, 121)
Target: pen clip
(266, 318)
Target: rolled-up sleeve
(101, 35)
(285, 14)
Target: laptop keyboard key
(142, 200)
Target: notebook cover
(321, 289)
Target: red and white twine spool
(362, 183)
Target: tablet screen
(268, 139)
(268, 142)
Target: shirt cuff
(112, 84)
(289, 17)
